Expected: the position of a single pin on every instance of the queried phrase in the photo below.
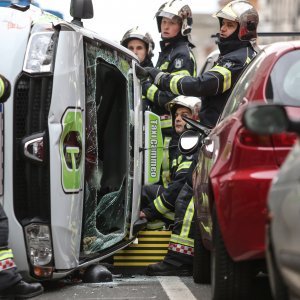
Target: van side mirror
(189, 142)
(81, 9)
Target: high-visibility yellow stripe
(151, 92)
(226, 74)
(160, 206)
(5, 254)
(182, 240)
(182, 72)
(164, 66)
(248, 60)
(188, 218)
(2, 87)
(184, 165)
(173, 83)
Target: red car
(234, 172)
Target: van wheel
(278, 287)
(229, 279)
(201, 266)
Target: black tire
(229, 279)
(201, 266)
(278, 287)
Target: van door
(112, 167)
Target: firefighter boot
(22, 290)
(164, 268)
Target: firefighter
(141, 44)
(236, 41)
(174, 23)
(11, 283)
(174, 204)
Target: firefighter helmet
(192, 103)
(176, 9)
(245, 14)
(138, 33)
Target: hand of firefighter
(155, 74)
(141, 73)
(4, 89)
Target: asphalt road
(141, 287)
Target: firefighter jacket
(175, 58)
(164, 204)
(215, 85)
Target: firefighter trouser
(8, 271)
(181, 245)
(149, 194)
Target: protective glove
(141, 73)
(155, 74)
(4, 89)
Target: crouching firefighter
(11, 283)
(174, 204)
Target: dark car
(234, 173)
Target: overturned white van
(73, 142)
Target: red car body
(235, 166)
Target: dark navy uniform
(175, 58)
(215, 85)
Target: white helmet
(192, 103)
(176, 9)
(137, 33)
(245, 14)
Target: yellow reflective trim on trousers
(188, 219)
(226, 74)
(164, 66)
(175, 238)
(166, 123)
(192, 57)
(151, 92)
(5, 254)
(173, 83)
(184, 165)
(248, 60)
(166, 163)
(2, 87)
(159, 206)
(182, 72)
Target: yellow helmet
(176, 9)
(245, 14)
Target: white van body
(72, 134)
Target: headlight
(39, 247)
(39, 54)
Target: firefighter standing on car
(11, 283)
(174, 22)
(171, 205)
